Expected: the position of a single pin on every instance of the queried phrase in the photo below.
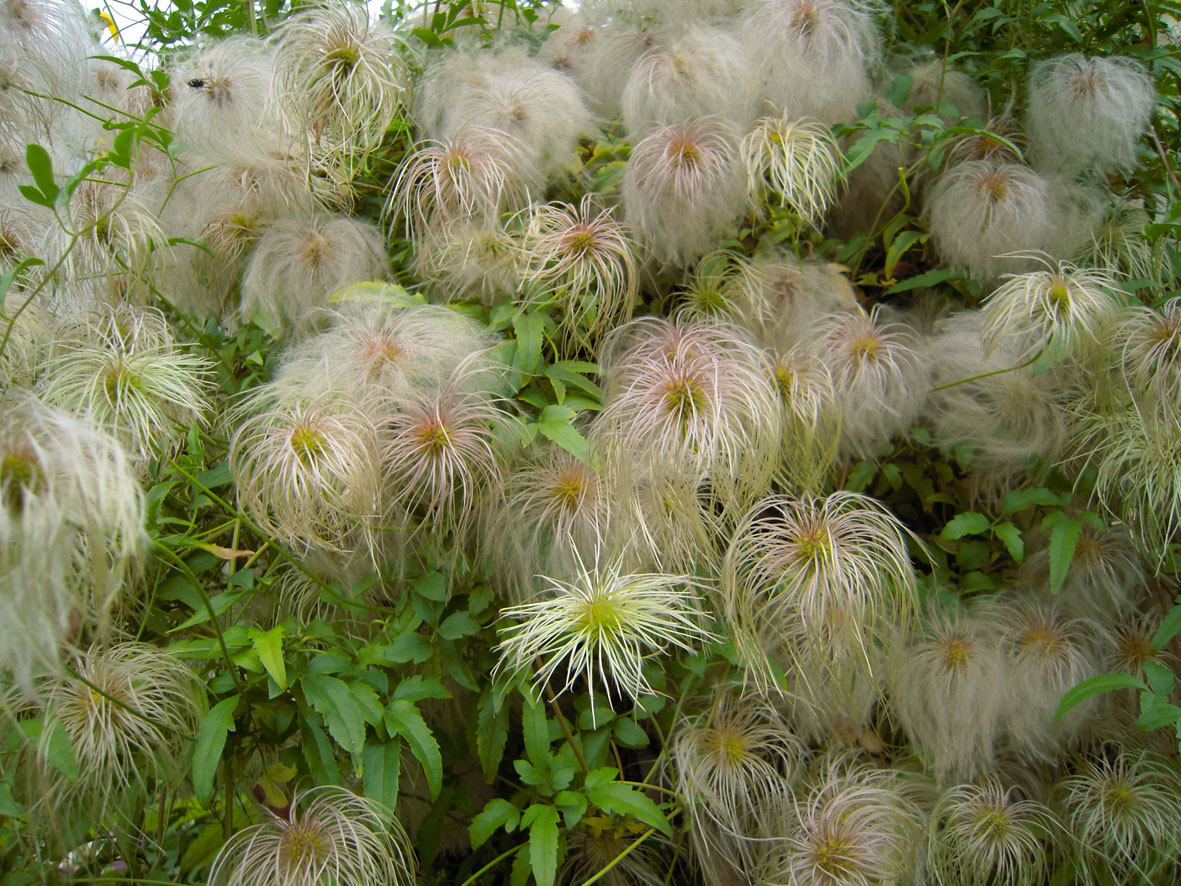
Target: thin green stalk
(620, 857)
(474, 878)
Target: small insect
(197, 83)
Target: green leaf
(1064, 536)
(383, 766)
(629, 734)
(930, 278)
(41, 166)
(1096, 686)
(621, 799)
(416, 688)
(497, 813)
(1020, 499)
(333, 699)
(211, 741)
(409, 647)
(529, 329)
(491, 734)
(960, 525)
(60, 752)
(1160, 679)
(8, 806)
(536, 731)
(402, 718)
(269, 646)
(898, 248)
(1170, 626)
(319, 753)
(203, 849)
(542, 821)
(458, 625)
(1156, 711)
(433, 586)
(555, 424)
(1011, 536)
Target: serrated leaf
(269, 646)
(211, 741)
(1156, 711)
(542, 821)
(572, 805)
(383, 768)
(1170, 627)
(1010, 535)
(497, 813)
(409, 647)
(458, 625)
(529, 329)
(536, 732)
(318, 751)
(898, 248)
(491, 734)
(416, 688)
(622, 799)
(403, 718)
(1020, 499)
(1064, 536)
(554, 424)
(1095, 686)
(332, 698)
(1160, 679)
(433, 586)
(960, 525)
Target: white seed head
(328, 835)
(795, 162)
(1086, 115)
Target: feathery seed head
(307, 470)
(1087, 114)
(796, 161)
(701, 71)
(583, 254)
(879, 379)
(129, 714)
(732, 761)
(30, 329)
(477, 258)
(1122, 814)
(71, 516)
(473, 174)
(222, 93)
(329, 835)
(682, 187)
(981, 210)
(947, 689)
(1062, 307)
(339, 78)
(836, 568)
(985, 834)
(1148, 341)
(691, 401)
(1104, 576)
(604, 624)
(815, 55)
(811, 419)
(298, 263)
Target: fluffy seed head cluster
(683, 187)
(560, 508)
(691, 401)
(604, 625)
(441, 451)
(1148, 341)
(980, 210)
(856, 826)
(1087, 114)
(948, 692)
(470, 174)
(338, 76)
(298, 263)
(733, 761)
(811, 419)
(586, 258)
(878, 376)
(1062, 307)
(984, 834)
(1122, 816)
(1004, 410)
(31, 330)
(478, 258)
(701, 72)
(129, 711)
(815, 55)
(329, 835)
(1046, 651)
(123, 371)
(71, 516)
(221, 92)
(1104, 576)
(306, 470)
(828, 576)
(796, 162)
